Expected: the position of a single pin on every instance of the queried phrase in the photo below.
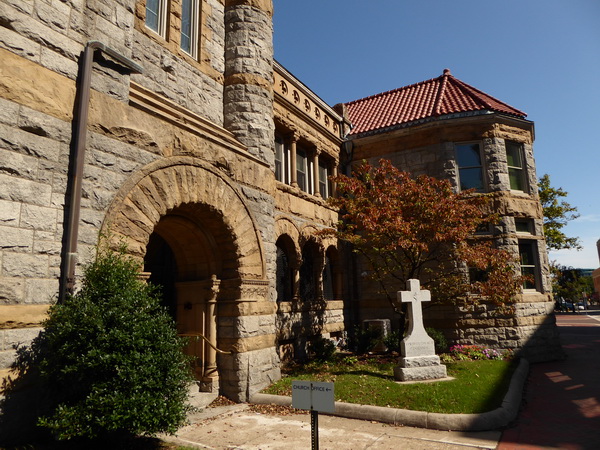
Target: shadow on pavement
(562, 399)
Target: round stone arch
(308, 233)
(286, 231)
(162, 186)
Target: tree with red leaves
(407, 227)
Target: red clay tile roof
(427, 99)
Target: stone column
(248, 114)
(316, 189)
(294, 174)
(248, 83)
(296, 279)
(210, 380)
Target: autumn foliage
(420, 228)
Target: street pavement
(561, 411)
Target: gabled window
(156, 16)
(189, 26)
(470, 168)
(516, 168)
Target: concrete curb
(490, 420)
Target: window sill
(297, 192)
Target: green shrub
(322, 349)
(392, 341)
(110, 358)
(365, 339)
(350, 360)
(439, 340)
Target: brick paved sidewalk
(562, 398)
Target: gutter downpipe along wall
(67, 283)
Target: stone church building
(169, 126)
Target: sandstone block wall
(175, 110)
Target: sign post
(314, 396)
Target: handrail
(223, 352)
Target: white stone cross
(416, 342)
(414, 296)
(419, 361)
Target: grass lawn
(479, 386)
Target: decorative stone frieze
(304, 102)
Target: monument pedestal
(419, 361)
(420, 368)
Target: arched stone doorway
(188, 254)
(200, 242)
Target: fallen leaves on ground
(221, 401)
(276, 410)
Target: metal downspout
(67, 283)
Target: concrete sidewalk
(241, 427)
(237, 427)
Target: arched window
(308, 274)
(332, 275)
(284, 279)
(328, 281)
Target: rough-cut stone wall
(248, 93)
(129, 130)
(429, 149)
(248, 114)
(41, 43)
(196, 84)
(531, 331)
(213, 112)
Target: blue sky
(540, 56)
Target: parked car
(568, 307)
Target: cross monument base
(419, 361)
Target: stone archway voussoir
(183, 185)
(148, 187)
(135, 215)
(161, 184)
(125, 226)
(164, 185)
(144, 204)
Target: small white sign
(313, 395)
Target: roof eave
(431, 119)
